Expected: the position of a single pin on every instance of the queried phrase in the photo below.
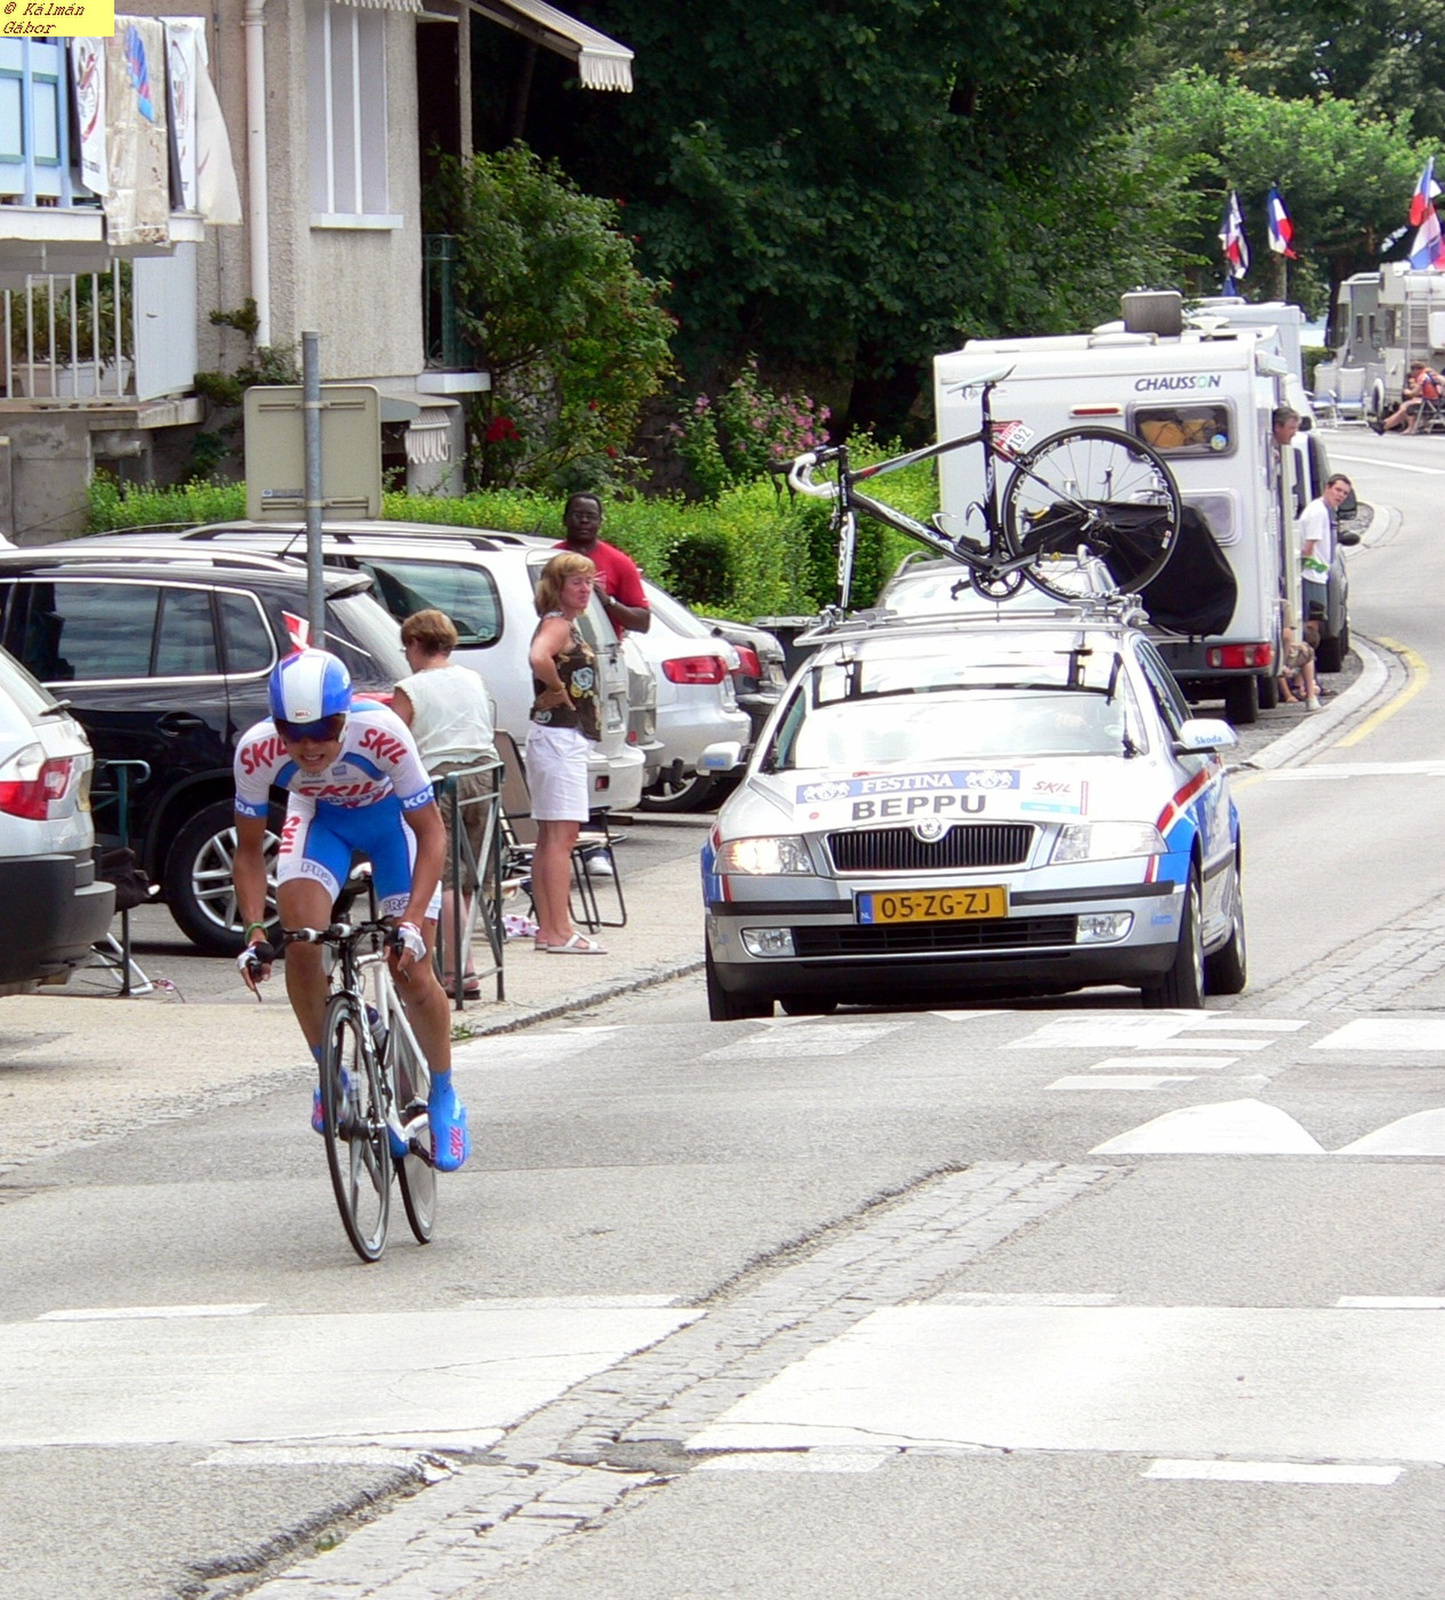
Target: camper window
(1186, 430)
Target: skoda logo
(929, 830)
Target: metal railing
(441, 335)
(484, 902)
(70, 336)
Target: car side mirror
(1199, 735)
(1347, 536)
(724, 757)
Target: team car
(941, 808)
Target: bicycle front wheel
(1095, 510)
(416, 1176)
(353, 1114)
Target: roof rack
(66, 555)
(1098, 611)
(343, 534)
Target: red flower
(612, 451)
(500, 428)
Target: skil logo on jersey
(1182, 381)
(386, 746)
(260, 754)
(891, 783)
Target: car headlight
(1106, 841)
(764, 858)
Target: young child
(1298, 661)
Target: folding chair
(594, 860)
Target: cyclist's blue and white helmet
(309, 687)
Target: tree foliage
(550, 296)
(1347, 174)
(852, 188)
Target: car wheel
(198, 883)
(807, 1005)
(1227, 970)
(1330, 652)
(1241, 701)
(1268, 691)
(1183, 985)
(725, 1007)
(692, 793)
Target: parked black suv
(165, 662)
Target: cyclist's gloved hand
(410, 941)
(254, 963)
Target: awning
(384, 5)
(602, 63)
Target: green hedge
(751, 552)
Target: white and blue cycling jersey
(355, 807)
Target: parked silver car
(55, 907)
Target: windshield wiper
(59, 709)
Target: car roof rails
(171, 557)
(343, 533)
(1097, 611)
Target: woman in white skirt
(565, 718)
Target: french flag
(1233, 242)
(1428, 250)
(1423, 200)
(1281, 229)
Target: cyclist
(355, 783)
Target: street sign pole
(311, 413)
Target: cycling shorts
(321, 842)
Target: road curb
(648, 979)
(1310, 736)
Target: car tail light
(26, 789)
(748, 664)
(695, 669)
(1240, 656)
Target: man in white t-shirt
(1317, 541)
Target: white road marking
(573, 1302)
(1175, 1382)
(1386, 1033)
(1120, 1081)
(1107, 1031)
(1391, 1302)
(394, 1377)
(1217, 1024)
(968, 1016)
(513, 1050)
(1271, 1472)
(797, 1461)
(1356, 769)
(1421, 1134)
(1023, 1298)
(147, 1313)
(814, 1039)
(1236, 1043)
(1228, 1127)
(432, 1469)
(1394, 466)
(1160, 1063)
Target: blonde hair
(434, 631)
(567, 564)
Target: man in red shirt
(619, 583)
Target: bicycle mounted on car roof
(1087, 513)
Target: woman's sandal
(577, 945)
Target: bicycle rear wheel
(416, 1176)
(1097, 511)
(354, 1121)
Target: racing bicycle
(1089, 510)
(374, 1086)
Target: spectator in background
(1286, 425)
(1422, 384)
(1297, 680)
(619, 583)
(452, 719)
(1317, 542)
(565, 717)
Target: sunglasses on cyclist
(326, 728)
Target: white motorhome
(1386, 320)
(1205, 399)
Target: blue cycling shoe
(450, 1142)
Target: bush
(753, 552)
(736, 437)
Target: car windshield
(932, 703)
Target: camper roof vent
(1159, 311)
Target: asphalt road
(1066, 1300)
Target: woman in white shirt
(452, 719)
